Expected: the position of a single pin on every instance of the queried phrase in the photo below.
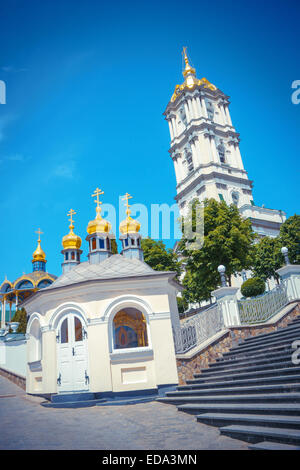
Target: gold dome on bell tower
(71, 241)
(129, 225)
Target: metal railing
(198, 329)
(262, 308)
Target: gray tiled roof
(115, 266)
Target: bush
(253, 287)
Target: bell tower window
(221, 151)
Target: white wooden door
(72, 355)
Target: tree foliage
(159, 257)
(21, 317)
(267, 258)
(289, 236)
(228, 240)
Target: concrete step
(277, 388)
(256, 434)
(243, 375)
(193, 385)
(253, 357)
(274, 334)
(232, 370)
(286, 347)
(74, 397)
(264, 346)
(246, 363)
(73, 404)
(260, 359)
(290, 409)
(226, 419)
(266, 445)
(268, 341)
(250, 398)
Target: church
(206, 155)
(104, 325)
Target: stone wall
(16, 379)
(187, 367)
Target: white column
(195, 108)
(228, 115)
(173, 122)
(171, 129)
(9, 311)
(214, 150)
(223, 114)
(2, 315)
(191, 108)
(177, 171)
(187, 112)
(17, 300)
(203, 104)
(227, 302)
(196, 159)
(4, 312)
(238, 157)
(198, 107)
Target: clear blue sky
(87, 83)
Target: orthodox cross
(126, 198)
(70, 214)
(39, 232)
(96, 194)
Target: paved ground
(25, 424)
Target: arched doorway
(72, 364)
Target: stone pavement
(25, 424)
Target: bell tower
(205, 151)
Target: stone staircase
(252, 393)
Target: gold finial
(126, 197)
(39, 233)
(188, 68)
(70, 214)
(96, 194)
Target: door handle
(59, 379)
(73, 351)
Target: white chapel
(104, 325)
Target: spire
(188, 68)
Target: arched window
(93, 243)
(130, 329)
(107, 244)
(73, 255)
(210, 110)
(25, 285)
(235, 198)
(66, 256)
(44, 283)
(182, 117)
(101, 243)
(189, 160)
(221, 151)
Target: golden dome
(38, 254)
(98, 224)
(191, 80)
(71, 240)
(129, 225)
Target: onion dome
(38, 254)
(129, 225)
(98, 224)
(191, 80)
(71, 241)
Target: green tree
(228, 240)
(289, 236)
(159, 257)
(267, 258)
(21, 317)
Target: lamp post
(221, 270)
(285, 251)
